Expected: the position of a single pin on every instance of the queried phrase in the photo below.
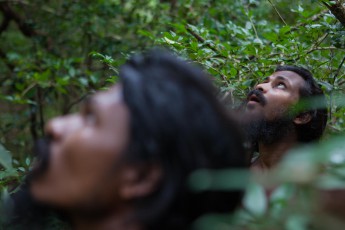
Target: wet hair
(313, 130)
(176, 122)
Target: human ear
(139, 181)
(302, 118)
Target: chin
(25, 211)
(251, 115)
(254, 110)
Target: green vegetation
(55, 53)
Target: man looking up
(124, 160)
(272, 125)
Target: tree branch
(338, 70)
(4, 24)
(4, 58)
(200, 39)
(323, 48)
(33, 122)
(40, 109)
(22, 25)
(69, 107)
(337, 9)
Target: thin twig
(212, 47)
(40, 109)
(323, 48)
(200, 39)
(69, 107)
(254, 28)
(221, 75)
(33, 122)
(321, 39)
(28, 88)
(276, 10)
(338, 70)
(330, 48)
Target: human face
(278, 92)
(84, 150)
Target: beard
(22, 210)
(267, 132)
(258, 129)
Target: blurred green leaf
(231, 179)
(297, 222)
(255, 199)
(5, 158)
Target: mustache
(260, 96)
(42, 152)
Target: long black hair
(175, 122)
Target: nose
(263, 87)
(58, 128)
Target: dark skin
(113, 221)
(87, 171)
(270, 155)
(281, 91)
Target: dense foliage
(55, 53)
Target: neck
(271, 154)
(115, 220)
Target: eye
(281, 85)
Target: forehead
(109, 105)
(295, 80)
(109, 98)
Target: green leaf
(330, 182)
(255, 200)
(230, 179)
(282, 193)
(284, 29)
(300, 8)
(297, 222)
(169, 41)
(5, 158)
(233, 72)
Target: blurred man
(123, 161)
(273, 124)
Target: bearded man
(273, 124)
